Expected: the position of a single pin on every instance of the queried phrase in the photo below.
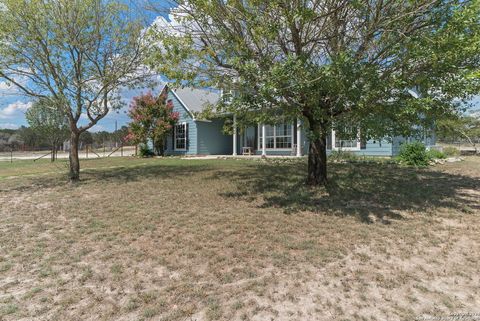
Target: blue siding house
(195, 137)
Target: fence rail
(85, 153)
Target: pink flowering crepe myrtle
(153, 119)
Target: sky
(13, 105)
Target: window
(276, 137)
(343, 139)
(181, 136)
(283, 136)
(345, 143)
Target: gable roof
(195, 100)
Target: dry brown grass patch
(238, 240)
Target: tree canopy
(78, 53)
(334, 64)
(464, 128)
(48, 122)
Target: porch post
(299, 138)
(264, 141)
(234, 135)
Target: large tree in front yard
(76, 52)
(334, 64)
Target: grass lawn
(171, 239)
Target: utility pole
(116, 140)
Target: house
(194, 136)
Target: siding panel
(212, 140)
(185, 117)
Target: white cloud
(4, 85)
(98, 128)
(7, 89)
(8, 126)
(14, 110)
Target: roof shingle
(196, 100)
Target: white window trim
(274, 139)
(358, 147)
(184, 124)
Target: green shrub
(451, 151)
(145, 151)
(414, 154)
(340, 155)
(436, 154)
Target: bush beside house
(416, 154)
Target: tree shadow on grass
(115, 174)
(138, 173)
(370, 191)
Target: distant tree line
(461, 129)
(27, 139)
(104, 139)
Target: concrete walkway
(256, 157)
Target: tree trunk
(73, 157)
(52, 156)
(317, 153)
(317, 161)
(159, 147)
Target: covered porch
(261, 140)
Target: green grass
(172, 239)
(45, 167)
